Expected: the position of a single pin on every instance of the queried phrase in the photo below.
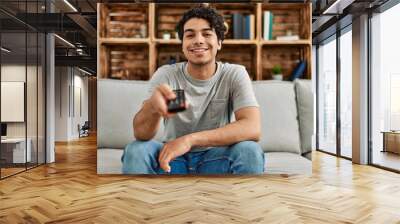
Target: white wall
(62, 81)
(34, 125)
(67, 115)
(12, 73)
(80, 83)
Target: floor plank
(70, 191)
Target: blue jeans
(247, 157)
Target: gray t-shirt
(212, 102)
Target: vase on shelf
(166, 36)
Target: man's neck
(202, 72)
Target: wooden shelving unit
(131, 45)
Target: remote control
(177, 104)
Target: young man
(201, 139)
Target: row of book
(268, 25)
(243, 26)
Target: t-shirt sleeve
(242, 90)
(159, 77)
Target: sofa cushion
(305, 109)
(118, 102)
(280, 129)
(109, 162)
(287, 163)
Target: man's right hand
(159, 100)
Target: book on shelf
(298, 72)
(271, 24)
(288, 37)
(252, 27)
(243, 26)
(237, 25)
(268, 25)
(248, 26)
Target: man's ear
(219, 44)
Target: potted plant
(166, 35)
(277, 73)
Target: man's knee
(249, 148)
(139, 150)
(250, 154)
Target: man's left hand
(172, 150)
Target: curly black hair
(215, 20)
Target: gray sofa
(287, 123)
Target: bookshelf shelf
(124, 41)
(131, 43)
(285, 42)
(239, 42)
(171, 41)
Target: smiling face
(200, 43)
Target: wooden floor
(70, 191)
(8, 171)
(5, 172)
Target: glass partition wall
(13, 90)
(22, 87)
(385, 90)
(327, 95)
(334, 58)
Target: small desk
(17, 150)
(391, 141)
